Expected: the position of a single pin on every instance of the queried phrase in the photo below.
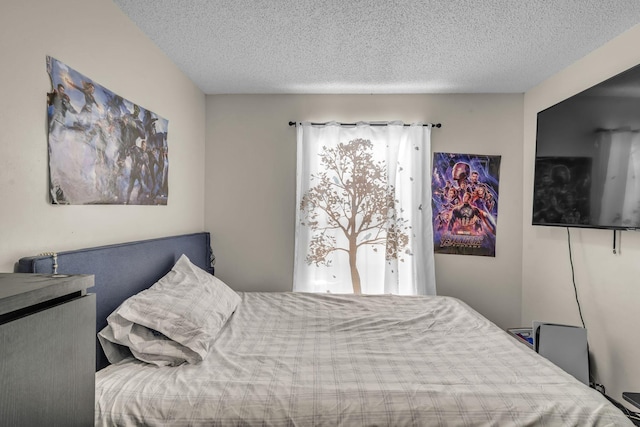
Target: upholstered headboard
(122, 270)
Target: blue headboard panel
(123, 270)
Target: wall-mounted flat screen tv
(587, 170)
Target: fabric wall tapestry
(103, 149)
(465, 203)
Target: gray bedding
(294, 359)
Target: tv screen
(587, 167)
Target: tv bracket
(617, 240)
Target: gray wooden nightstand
(523, 335)
(47, 350)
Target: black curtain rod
(435, 125)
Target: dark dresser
(47, 350)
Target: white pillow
(172, 322)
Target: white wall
(250, 184)
(608, 284)
(246, 198)
(97, 39)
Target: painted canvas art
(103, 148)
(465, 203)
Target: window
(363, 222)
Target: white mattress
(294, 359)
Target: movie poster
(465, 203)
(103, 149)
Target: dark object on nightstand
(47, 352)
(633, 398)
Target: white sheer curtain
(620, 172)
(363, 221)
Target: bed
(297, 359)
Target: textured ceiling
(376, 46)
